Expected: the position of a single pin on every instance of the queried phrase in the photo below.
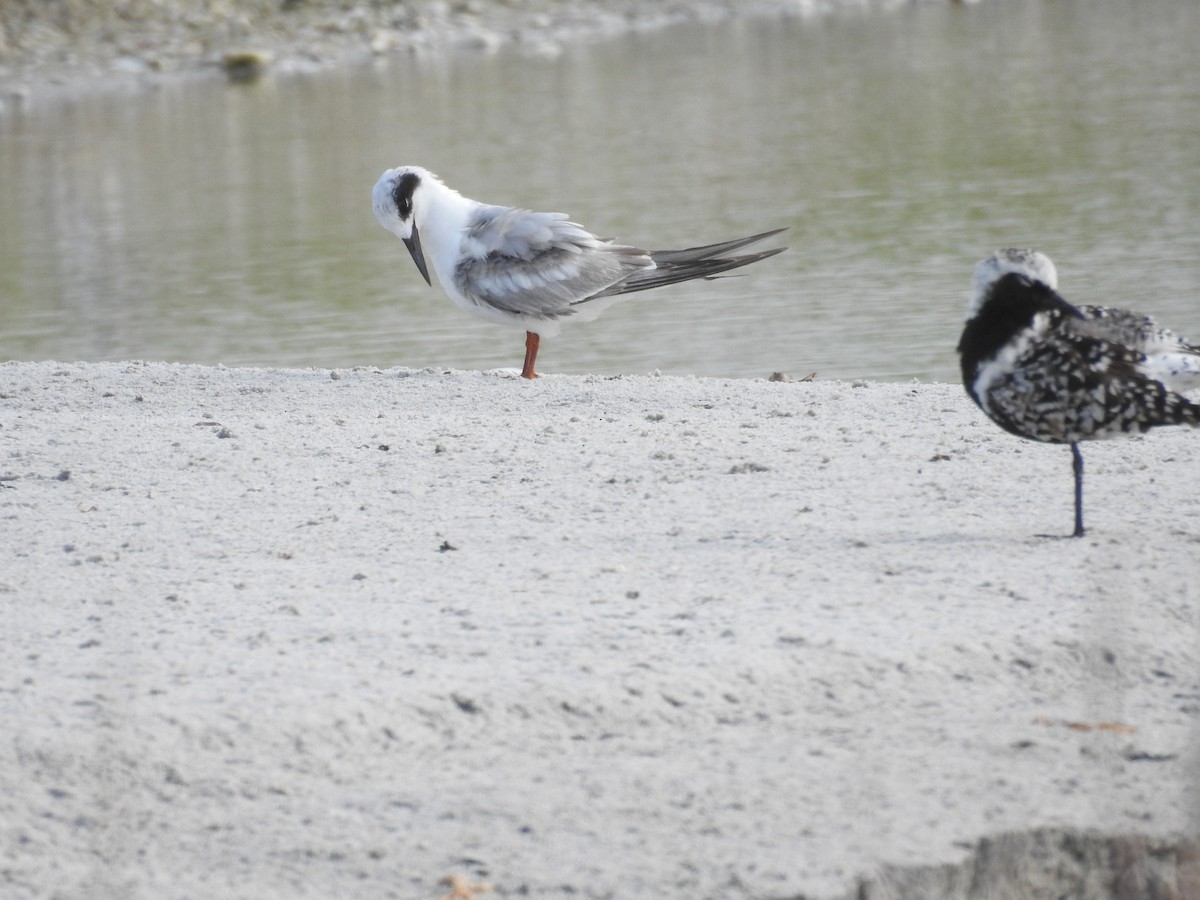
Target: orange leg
(532, 342)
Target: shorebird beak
(414, 250)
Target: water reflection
(203, 222)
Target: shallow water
(213, 223)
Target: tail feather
(673, 266)
(686, 271)
(672, 257)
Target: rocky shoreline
(76, 41)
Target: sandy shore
(280, 633)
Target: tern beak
(414, 249)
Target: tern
(530, 269)
(1049, 371)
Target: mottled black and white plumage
(530, 269)
(1048, 371)
(1171, 359)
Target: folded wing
(541, 265)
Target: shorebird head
(395, 198)
(1029, 263)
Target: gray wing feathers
(521, 234)
(541, 264)
(538, 264)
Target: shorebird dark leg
(1077, 467)
(532, 342)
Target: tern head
(394, 200)
(1029, 263)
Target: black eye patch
(403, 193)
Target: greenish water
(206, 222)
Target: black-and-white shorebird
(1049, 371)
(530, 269)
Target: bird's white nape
(1030, 263)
